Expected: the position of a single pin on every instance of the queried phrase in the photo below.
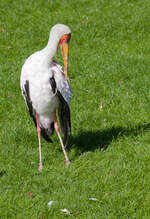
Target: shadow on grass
(90, 141)
(2, 173)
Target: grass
(109, 149)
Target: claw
(40, 168)
(67, 162)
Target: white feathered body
(38, 73)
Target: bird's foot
(67, 162)
(40, 167)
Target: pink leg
(59, 136)
(39, 135)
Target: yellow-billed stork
(46, 89)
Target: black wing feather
(29, 102)
(64, 117)
(53, 83)
(63, 112)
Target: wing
(63, 84)
(62, 88)
(32, 111)
(64, 117)
(26, 95)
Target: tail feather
(46, 133)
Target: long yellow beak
(65, 51)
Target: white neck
(50, 51)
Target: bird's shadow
(90, 141)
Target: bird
(46, 88)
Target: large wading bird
(46, 89)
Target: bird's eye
(65, 39)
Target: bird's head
(62, 34)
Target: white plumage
(45, 87)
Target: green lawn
(109, 148)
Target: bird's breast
(43, 99)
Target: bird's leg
(59, 136)
(39, 138)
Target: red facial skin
(65, 39)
